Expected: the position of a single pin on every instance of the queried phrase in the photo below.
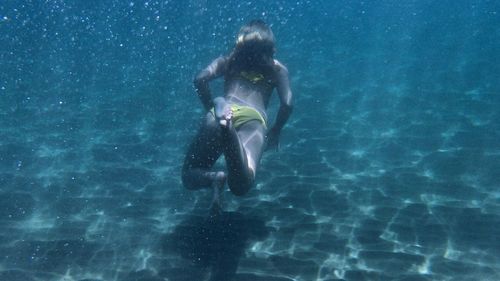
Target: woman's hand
(273, 139)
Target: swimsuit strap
(254, 77)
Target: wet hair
(256, 36)
(254, 48)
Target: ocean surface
(389, 167)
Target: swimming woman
(236, 124)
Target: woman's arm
(212, 71)
(285, 109)
(285, 96)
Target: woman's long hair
(254, 49)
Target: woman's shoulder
(221, 60)
(279, 66)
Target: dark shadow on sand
(215, 242)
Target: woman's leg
(201, 156)
(243, 151)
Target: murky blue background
(389, 167)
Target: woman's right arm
(212, 71)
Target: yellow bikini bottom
(243, 114)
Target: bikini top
(255, 78)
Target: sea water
(389, 167)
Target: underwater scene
(388, 167)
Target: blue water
(389, 168)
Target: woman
(236, 124)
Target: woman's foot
(218, 187)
